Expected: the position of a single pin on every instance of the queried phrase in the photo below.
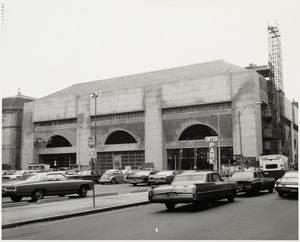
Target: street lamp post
(94, 95)
(240, 130)
(219, 144)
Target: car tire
(270, 190)
(37, 195)
(62, 195)
(280, 194)
(16, 198)
(82, 191)
(102, 183)
(134, 184)
(170, 206)
(113, 181)
(231, 197)
(208, 203)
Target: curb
(70, 215)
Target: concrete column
(153, 126)
(83, 129)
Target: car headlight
(11, 188)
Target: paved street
(265, 216)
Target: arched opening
(197, 132)
(57, 141)
(120, 137)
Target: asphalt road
(262, 217)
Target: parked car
(288, 184)
(141, 176)
(129, 172)
(88, 175)
(15, 175)
(162, 177)
(252, 182)
(198, 187)
(38, 185)
(112, 176)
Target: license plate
(172, 194)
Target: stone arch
(196, 132)
(120, 137)
(57, 141)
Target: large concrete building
(12, 113)
(161, 117)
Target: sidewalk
(65, 208)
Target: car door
(52, 184)
(219, 190)
(66, 186)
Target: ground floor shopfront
(177, 159)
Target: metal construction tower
(276, 91)
(275, 54)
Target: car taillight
(194, 193)
(150, 192)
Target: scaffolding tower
(276, 91)
(275, 59)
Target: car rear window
(198, 177)
(271, 166)
(242, 175)
(28, 177)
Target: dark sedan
(162, 177)
(141, 176)
(252, 182)
(197, 187)
(288, 184)
(38, 185)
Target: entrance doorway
(58, 160)
(195, 158)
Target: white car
(112, 176)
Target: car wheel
(134, 184)
(270, 190)
(113, 181)
(170, 206)
(280, 194)
(37, 195)
(231, 197)
(82, 191)
(62, 195)
(209, 203)
(16, 198)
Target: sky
(49, 45)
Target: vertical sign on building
(212, 150)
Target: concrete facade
(154, 108)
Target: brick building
(12, 112)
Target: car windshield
(85, 173)
(108, 172)
(291, 175)
(28, 177)
(242, 175)
(143, 173)
(19, 172)
(189, 178)
(164, 173)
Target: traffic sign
(91, 142)
(92, 153)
